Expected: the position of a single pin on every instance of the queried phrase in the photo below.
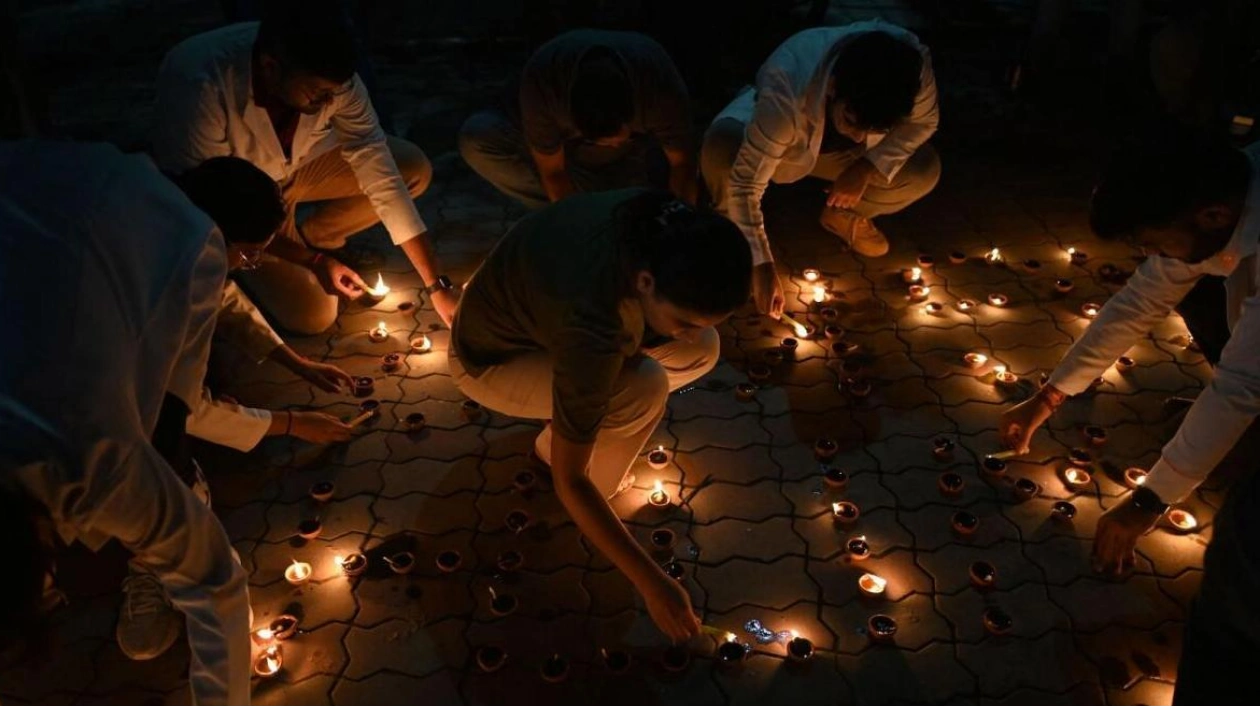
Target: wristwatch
(441, 283)
(1149, 501)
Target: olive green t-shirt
(553, 284)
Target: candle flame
(995, 254)
(339, 560)
(1140, 480)
(658, 488)
(265, 634)
(381, 289)
(820, 293)
(835, 507)
(801, 331)
(999, 369)
(1071, 251)
(795, 633)
(916, 273)
(811, 274)
(730, 637)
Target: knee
(707, 349)
(925, 170)
(413, 165)
(720, 146)
(475, 135)
(643, 393)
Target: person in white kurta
(111, 280)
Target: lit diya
(658, 497)
(997, 299)
(1089, 310)
(993, 257)
(811, 274)
(269, 662)
(1134, 477)
(1182, 520)
(1076, 478)
(965, 305)
(378, 333)
(1004, 378)
(912, 276)
(322, 491)
(421, 344)
(918, 293)
(983, 574)
(858, 548)
(845, 513)
(353, 565)
(933, 308)
(975, 360)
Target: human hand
(1019, 422)
(319, 428)
(337, 278)
(1117, 534)
(670, 608)
(444, 303)
(767, 290)
(324, 376)
(847, 189)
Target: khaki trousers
(290, 294)
(522, 388)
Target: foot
(859, 232)
(147, 623)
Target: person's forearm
(592, 514)
(420, 252)
(281, 424)
(286, 356)
(291, 251)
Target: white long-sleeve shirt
(206, 108)
(783, 138)
(1232, 399)
(231, 424)
(111, 279)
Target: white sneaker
(147, 623)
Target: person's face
(1191, 239)
(246, 256)
(621, 137)
(845, 122)
(665, 317)
(298, 90)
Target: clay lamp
(758, 372)
(490, 658)
(918, 293)
(1080, 457)
(516, 520)
(421, 344)
(957, 257)
(663, 539)
(1063, 511)
(993, 467)
(658, 497)
(845, 513)
(363, 386)
(965, 523)
(322, 491)
(1032, 266)
(1096, 436)
(268, 662)
(965, 305)
(554, 669)
(354, 564)
(745, 392)
(283, 627)
(844, 348)
(933, 309)
(1063, 285)
(950, 484)
(390, 362)
(825, 449)
(975, 360)
(912, 276)
(857, 387)
(1025, 488)
(502, 604)
(676, 658)
(942, 449)
(881, 628)
(297, 573)
(1181, 520)
(309, 529)
(872, 585)
(374, 295)
(830, 314)
(820, 294)
(524, 480)
(1003, 378)
(835, 478)
(616, 661)
(800, 649)
(1089, 310)
(401, 562)
(1134, 477)
(731, 652)
(378, 333)
(1077, 257)
(1124, 364)
(811, 274)
(926, 261)
(997, 299)
(675, 570)
(787, 348)
(858, 548)
(658, 458)
(449, 561)
(509, 561)
(983, 574)
(997, 621)
(471, 410)
(414, 421)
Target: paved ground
(752, 514)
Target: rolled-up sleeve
(229, 424)
(891, 154)
(1220, 415)
(363, 146)
(766, 139)
(1155, 288)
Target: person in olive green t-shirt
(588, 313)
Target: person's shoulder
(216, 47)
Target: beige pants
(291, 294)
(913, 181)
(522, 388)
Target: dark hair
(700, 260)
(1165, 174)
(310, 36)
(877, 76)
(27, 561)
(601, 100)
(241, 199)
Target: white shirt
(206, 108)
(112, 279)
(784, 134)
(230, 424)
(1232, 399)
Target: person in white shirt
(854, 105)
(282, 94)
(113, 279)
(1194, 205)
(246, 205)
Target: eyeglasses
(326, 95)
(251, 257)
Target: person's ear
(645, 284)
(1215, 217)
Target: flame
(381, 289)
(820, 293)
(1139, 480)
(730, 637)
(339, 561)
(995, 254)
(811, 274)
(835, 507)
(801, 331)
(916, 273)
(273, 659)
(658, 488)
(1071, 252)
(795, 634)
(265, 634)
(999, 369)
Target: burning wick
(800, 648)
(933, 308)
(912, 276)
(872, 585)
(268, 663)
(811, 274)
(1001, 376)
(1090, 310)
(858, 548)
(421, 344)
(998, 299)
(298, 572)
(966, 305)
(918, 293)
(658, 497)
(975, 360)
(381, 289)
(820, 294)
(1182, 520)
(801, 330)
(379, 333)
(1134, 477)
(263, 638)
(1077, 478)
(993, 257)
